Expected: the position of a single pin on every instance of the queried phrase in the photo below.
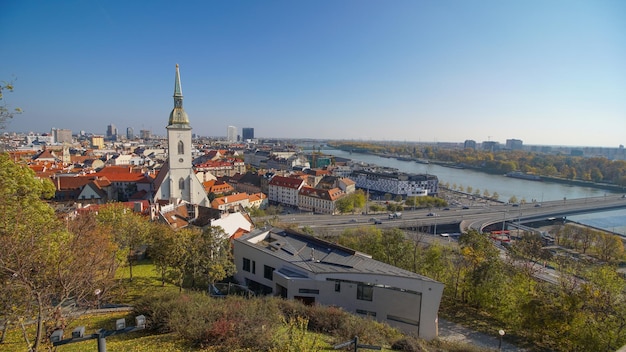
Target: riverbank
(448, 164)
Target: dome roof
(178, 116)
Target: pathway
(449, 331)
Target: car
(377, 222)
(537, 205)
(465, 207)
(432, 214)
(444, 235)
(446, 208)
(515, 204)
(373, 219)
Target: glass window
(268, 272)
(364, 292)
(246, 264)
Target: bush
(408, 344)
(225, 323)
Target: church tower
(177, 180)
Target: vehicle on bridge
(396, 215)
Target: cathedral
(177, 181)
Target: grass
(137, 341)
(146, 279)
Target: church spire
(178, 116)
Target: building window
(366, 312)
(337, 286)
(246, 264)
(403, 320)
(364, 292)
(268, 272)
(181, 183)
(181, 147)
(253, 267)
(309, 290)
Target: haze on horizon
(545, 72)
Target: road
(475, 217)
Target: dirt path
(449, 331)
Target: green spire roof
(178, 116)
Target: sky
(546, 72)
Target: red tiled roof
(121, 174)
(288, 182)
(330, 194)
(233, 198)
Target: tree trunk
(39, 329)
(5, 328)
(130, 263)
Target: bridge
(477, 217)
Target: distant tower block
(247, 133)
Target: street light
(501, 333)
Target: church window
(181, 183)
(181, 147)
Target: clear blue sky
(547, 72)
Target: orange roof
(121, 174)
(233, 198)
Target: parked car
(377, 222)
(465, 207)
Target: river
(506, 187)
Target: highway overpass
(477, 217)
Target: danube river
(506, 187)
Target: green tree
(42, 261)
(130, 230)
(513, 200)
(211, 257)
(6, 113)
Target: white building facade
(292, 265)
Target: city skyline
(548, 73)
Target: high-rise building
(231, 134)
(469, 144)
(145, 134)
(111, 132)
(61, 135)
(97, 142)
(177, 180)
(514, 144)
(247, 133)
(130, 134)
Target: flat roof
(319, 256)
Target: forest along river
(506, 187)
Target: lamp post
(501, 333)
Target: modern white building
(231, 134)
(293, 265)
(397, 183)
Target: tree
(210, 259)
(130, 230)
(610, 248)
(528, 254)
(41, 260)
(6, 113)
(163, 241)
(513, 200)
